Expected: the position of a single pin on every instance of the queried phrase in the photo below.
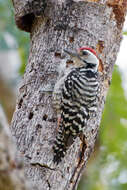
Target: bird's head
(84, 57)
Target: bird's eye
(85, 53)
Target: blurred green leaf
(23, 55)
(124, 33)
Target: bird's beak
(72, 54)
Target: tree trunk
(55, 25)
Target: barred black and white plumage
(77, 100)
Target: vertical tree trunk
(53, 26)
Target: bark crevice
(27, 11)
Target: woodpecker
(75, 98)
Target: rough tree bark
(53, 26)
(11, 168)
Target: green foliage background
(107, 169)
(7, 25)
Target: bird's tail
(59, 147)
(61, 144)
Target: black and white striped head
(85, 57)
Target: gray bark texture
(55, 25)
(11, 168)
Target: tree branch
(11, 167)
